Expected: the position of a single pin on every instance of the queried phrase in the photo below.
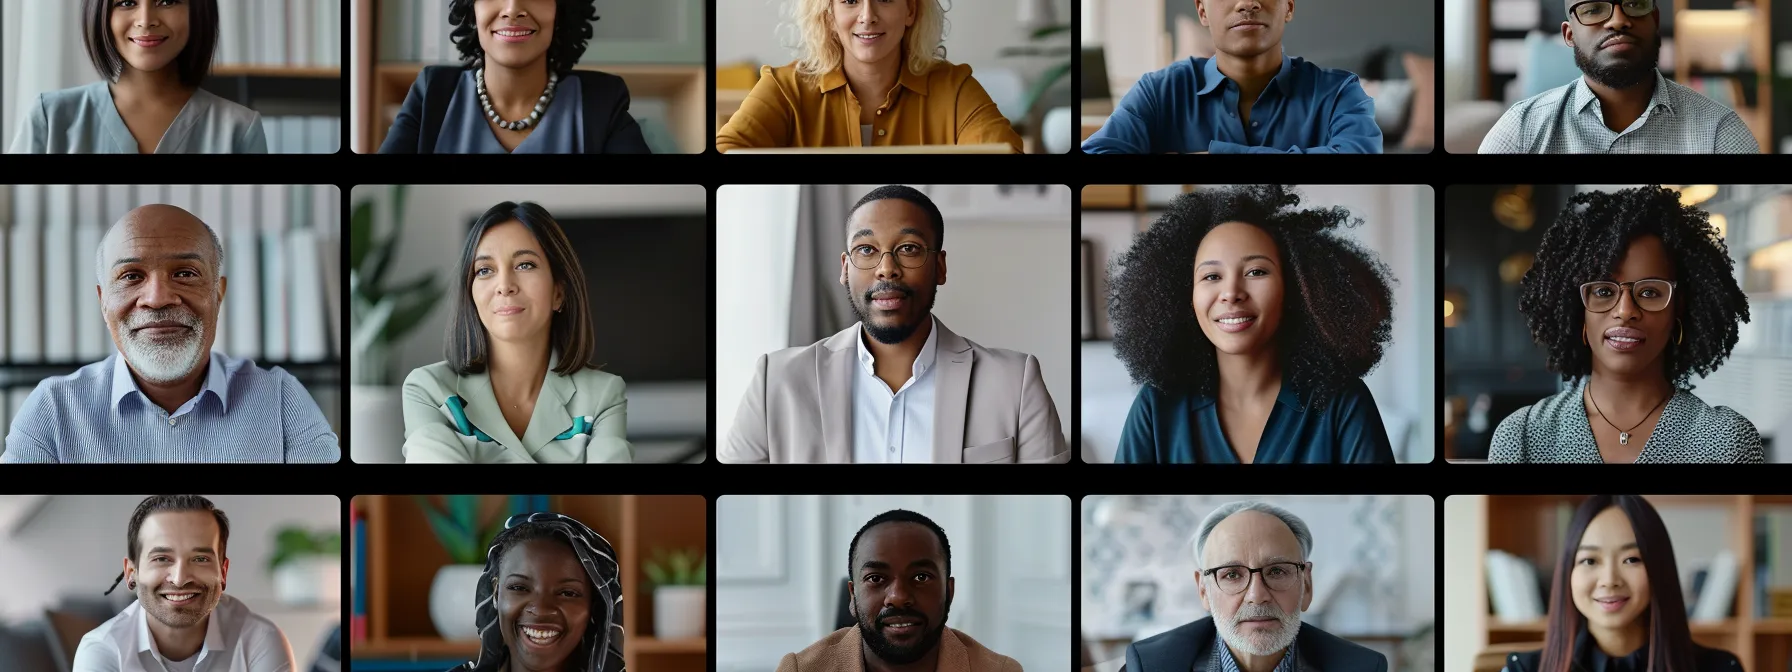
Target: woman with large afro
(1630, 295)
(1249, 324)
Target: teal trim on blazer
(456, 407)
(579, 426)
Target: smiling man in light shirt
(182, 621)
(165, 396)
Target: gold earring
(1583, 336)
(1682, 332)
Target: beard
(168, 360)
(1621, 75)
(1259, 643)
(895, 654)
(891, 334)
(179, 615)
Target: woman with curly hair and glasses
(871, 72)
(517, 92)
(1250, 324)
(1630, 295)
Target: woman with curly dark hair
(517, 92)
(1265, 364)
(1630, 295)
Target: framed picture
(1087, 274)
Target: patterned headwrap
(601, 648)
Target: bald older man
(165, 396)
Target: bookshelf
(1714, 24)
(1531, 527)
(397, 556)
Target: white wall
(752, 223)
(781, 561)
(57, 59)
(1461, 58)
(1465, 593)
(75, 545)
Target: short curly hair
(572, 30)
(1337, 315)
(1588, 241)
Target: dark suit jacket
(1190, 648)
(1704, 659)
(608, 127)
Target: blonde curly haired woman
(870, 73)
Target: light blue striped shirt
(241, 414)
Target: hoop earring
(132, 585)
(1682, 331)
(1583, 337)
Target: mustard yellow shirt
(945, 106)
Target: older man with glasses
(1622, 104)
(1254, 579)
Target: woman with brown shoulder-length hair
(1615, 604)
(519, 385)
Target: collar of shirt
(1211, 77)
(836, 78)
(1286, 397)
(1582, 96)
(923, 361)
(217, 382)
(214, 636)
(1230, 664)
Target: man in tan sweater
(901, 589)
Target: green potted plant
(306, 566)
(1057, 71)
(680, 581)
(382, 313)
(466, 536)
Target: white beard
(1262, 643)
(166, 363)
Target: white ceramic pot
(451, 599)
(309, 581)
(376, 424)
(1058, 130)
(680, 611)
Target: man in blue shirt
(165, 396)
(1250, 98)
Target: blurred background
(1374, 571)
(61, 552)
(777, 276)
(1397, 226)
(282, 253)
(1492, 367)
(1390, 45)
(1733, 553)
(418, 559)
(1018, 50)
(1499, 52)
(781, 586)
(638, 246)
(282, 58)
(658, 48)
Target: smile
(514, 34)
(148, 41)
(179, 598)
(1235, 323)
(1611, 604)
(541, 637)
(867, 37)
(508, 310)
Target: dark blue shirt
(1185, 428)
(1190, 107)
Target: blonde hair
(819, 51)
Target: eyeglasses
(1651, 295)
(1234, 579)
(867, 257)
(1595, 12)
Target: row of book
(303, 135)
(282, 255)
(281, 33)
(416, 31)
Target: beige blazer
(841, 651)
(990, 405)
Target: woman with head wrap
(550, 600)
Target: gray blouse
(465, 131)
(83, 120)
(1557, 429)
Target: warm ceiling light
(1722, 224)
(1449, 308)
(1695, 194)
(1513, 268)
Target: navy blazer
(608, 127)
(1190, 649)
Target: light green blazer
(581, 417)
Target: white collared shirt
(893, 428)
(236, 640)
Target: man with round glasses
(898, 386)
(1621, 104)
(1255, 580)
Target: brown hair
(570, 333)
(194, 61)
(172, 503)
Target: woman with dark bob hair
(550, 599)
(1250, 324)
(1615, 604)
(1631, 294)
(152, 56)
(517, 92)
(518, 385)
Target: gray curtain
(818, 304)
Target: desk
(989, 148)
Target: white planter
(309, 581)
(451, 600)
(1058, 130)
(376, 424)
(680, 611)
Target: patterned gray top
(1556, 429)
(1569, 120)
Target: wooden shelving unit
(403, 556)
(1529, 527)
(1759, 117)
(301, 72)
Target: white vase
(1058, 130)
(451, 600)
(680, 611)
(309, 581)
(376, 424)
